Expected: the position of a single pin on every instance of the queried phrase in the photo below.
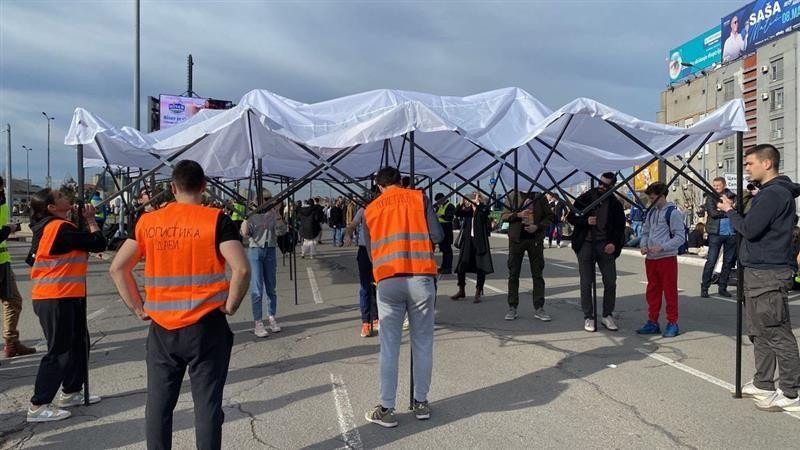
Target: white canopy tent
(469, 134)
(445, 139)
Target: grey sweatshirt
(656, 231)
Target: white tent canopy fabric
(465, 133)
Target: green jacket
(5, 257)
(543, 216)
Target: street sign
(730, 181)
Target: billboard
(756, 23)
(645, 177)
(700, 53)
(175, 109)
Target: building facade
(767, 81)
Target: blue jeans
(716, 243)
(263, 266)
(637, 228)
(396, 296)
(369, 310)
(338, 236)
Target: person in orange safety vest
(401, 229)
(185, 247)
(58, 257)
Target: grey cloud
(55, 56)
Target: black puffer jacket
(310, 222)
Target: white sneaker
(47, 413)
(750, 390)
(259, 329)
(541, 315)
(273, 325)
(76, 399)
(406, 325)
(609, 323)
(588, 325)
(778, 402)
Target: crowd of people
(186, 246)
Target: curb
(687, 260)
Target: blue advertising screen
(756, 23)
(698, 54)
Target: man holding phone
(526, 234)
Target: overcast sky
(60, 54)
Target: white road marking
(95, 314)
(702, 375)
(729, 300)
(487, 286)
(314, 287)
(645, 282)
(344, 411)
(563, 266)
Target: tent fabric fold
(465, 133)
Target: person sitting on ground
(697, 239)
(631, 240)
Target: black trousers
(65, 361)
(608, 268)
(205, 348)
(446, 247)
(481, 279)
(516, 254)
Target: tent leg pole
(739, 267)
(410, 348)
(84, 319)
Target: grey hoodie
(656, 231)
(767, 228)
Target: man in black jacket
(598, 238)
(766, 254)
(721, 236)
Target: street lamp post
(49, 119)
(27, 171)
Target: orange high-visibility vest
(399, 238)
(184, 274)
(57, 276)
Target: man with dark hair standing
(766, 254)
(598, 239)
(526, 234)
(401, 229)
(663, 234)
(445, 212)
(185, 247)
(721, 236)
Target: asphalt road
(521, 384)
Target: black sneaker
(725, 293)
(704, 293)
(381, 416)
(421, 410)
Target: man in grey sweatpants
(405, 269)
(766, 254)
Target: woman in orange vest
(58, 257)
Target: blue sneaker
(671, 330)
(649, 328)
